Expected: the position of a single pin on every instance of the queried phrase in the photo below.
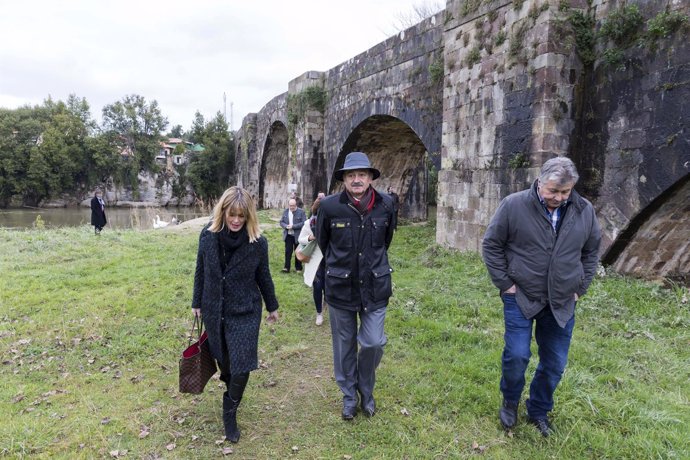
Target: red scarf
(365, 204)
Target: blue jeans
(553, 344)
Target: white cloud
(183, 54)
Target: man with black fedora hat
(354, 230)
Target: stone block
(633, 139)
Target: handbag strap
(196, 323)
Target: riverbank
(92, 327)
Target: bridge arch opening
(273, 176)
(656, 242)
(396, 150)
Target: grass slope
(91, 329)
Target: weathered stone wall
(262, 149)
(512, 93)
(508, 94)
(634, 144)
(387, 102)
(247, 157)
(308, 141)
(661, 245)
(510, 106)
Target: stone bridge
(479, 96)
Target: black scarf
(229, 242)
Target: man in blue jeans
(541, 251)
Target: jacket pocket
(382, 283)
(341, 233)
(339, 284)
(379, 226)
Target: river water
(139, 218)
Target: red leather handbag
(197, 365)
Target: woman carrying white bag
(310, 255)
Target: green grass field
(92, 327)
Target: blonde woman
(232, 276)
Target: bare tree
(420, 11)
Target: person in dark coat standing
(98, 219)
(292, 221)
(232, 276)
(541, 251)
(354, 230)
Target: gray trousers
(356, 371)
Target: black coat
(230, 301)
(355, 249)
(97, 214)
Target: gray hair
(560, 170)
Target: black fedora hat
(357, 160)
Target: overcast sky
(184, 54)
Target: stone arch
(397, 151)
(656, 242)
(274, 171)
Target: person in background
(315, 206)
(354, 230)
(98, 219)
(292, 221)
(314, 270)
(232, 276)
(541, 251)
(396, 205)
(298, 200)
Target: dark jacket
(298, 219)
(97, 214)
(358, 275)
(233, 298)
(520, 247)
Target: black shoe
(542, 424)
(369, 406)
(349, 412)
(508, 414)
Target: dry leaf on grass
(405, 412)
(227, 450)
(477, 447)
(171, 446)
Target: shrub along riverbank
(91, 329)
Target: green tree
(137, 125)
(210, 172)
(196, 132)
(176, 132)
(20, 132)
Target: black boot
(232, 433)
(231, 401)
(508, 413)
